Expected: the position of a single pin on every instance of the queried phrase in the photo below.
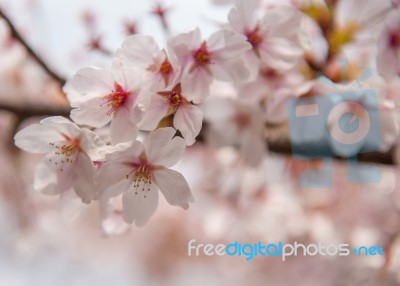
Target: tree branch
(32, 110)
(278, 141)
(15, 34)
(279, 144)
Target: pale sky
(54, 27)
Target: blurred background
(58, 241)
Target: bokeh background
(58, 241)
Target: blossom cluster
(133, 121)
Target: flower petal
(154, 113)
(92, 145)
(174, 187)
(36, 138)
(231, 70)
(226, 45)
(62, 125)
(53, 179)
(113, 190)
(196, 85)
(242, 16)
(138, 208)
(161, 149)
(89, 83)
(125, 152)
(279, 53)
(93, 112)
(253, 148)
(137, 51)
(45, 179)
(122, 129)
(180, 46)
(83, 183)
(188, 120)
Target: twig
(15, 34)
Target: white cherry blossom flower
(174, 101)
(272, 37)
(355, 30)
(142, 52)
(69, 153)
(219, 57)
(272, 89)
(140, 170)
(100, 96)
(389, 48)
(236, 122)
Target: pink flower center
(201, 57)
(166, 70)
(142, 177)
(242, 120)
(116, 99)
(254, 37)
(65, 151)
(174, 97)
(394, 39)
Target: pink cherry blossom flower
(272, 37)
(365, 25)
(69, 153)
(143, 53)
(174, 101)
(238, 123)
(272, 89)
(138, 171)
(219, 57)
(103, 95)
(389, 47)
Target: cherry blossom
(389, 47)
(219, 57)
(142, 52)
(69, 153)
(272, 37)
(137, 114)
(142, 168)
(100, 96)
(272, 89)
(362, 27)
(174, 101)
(236, 122)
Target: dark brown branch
(15, 34)
(279, 142)
(25, 111)
(284, 147)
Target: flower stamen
(116, 99)
(255, 38)
(201, 57)
(65, 151)
(142, 178)
(166, 70)
(174, 98)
